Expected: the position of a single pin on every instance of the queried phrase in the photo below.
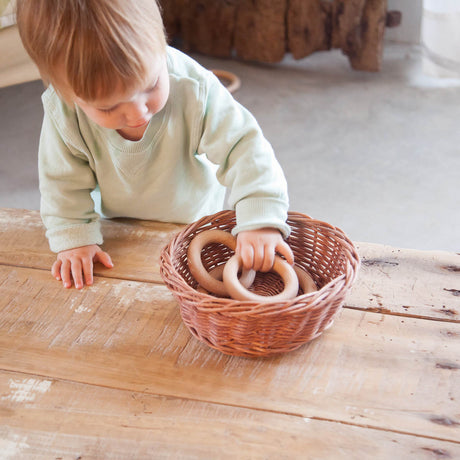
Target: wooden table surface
(111, 372)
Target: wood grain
(423, 284)
(52, 418)
(367, 54)
(207, 26)
(381, 371)
(358, 28)
(260, 30)
(308, 27)
(134, 246)
(111, 371)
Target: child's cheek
(112, 121)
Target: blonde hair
(92, 46)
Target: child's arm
(221, 132)
(67, 209)
(257, 248)
(231, 138)
(78, 263)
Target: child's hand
(257, 248)
(74, 263)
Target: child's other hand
(78, 262)
(257, 248)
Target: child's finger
(259, 255)
(65, 274)
(56, 270)
(284, 249)
(269, 260)
(246, 253)
(103, 258)
(87, 266)
(77, 275)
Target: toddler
(134, 128)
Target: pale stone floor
(377, 155)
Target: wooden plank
(424, 284)
(134, 245)
(391, 280)
(23, 240)
(51, 418)
(382, 371)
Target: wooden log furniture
(264, 30)
(111, 372)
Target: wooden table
(111, 372)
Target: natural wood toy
(212, 281)
(231, 285)
(228, 79)
(239, 292)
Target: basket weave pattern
(249, 328)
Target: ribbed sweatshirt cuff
(74, 236)
(257, 213)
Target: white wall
(409, 30)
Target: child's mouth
(138, 125)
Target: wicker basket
(248, 328)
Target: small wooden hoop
(246, 279)
(306, 282)
(216, 273)
(234, 83)
(204, 279)
(280, 266)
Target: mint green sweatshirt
(201, 143)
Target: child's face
(133, 109)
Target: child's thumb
(104, 258)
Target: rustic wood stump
(308, 27)
(260, 30)
(358, 30)
(170, 11)
(264, 30)
(207, 26)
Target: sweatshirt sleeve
(232, 138)
(66, 181)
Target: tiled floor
(375, 154)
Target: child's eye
(153, 87)
(108, 110)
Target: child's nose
(137, 110)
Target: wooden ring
(280, 266)
(246, 279)
(306, 282)
(196, 267)
(234, 82)
(216, 273)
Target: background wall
(409, 30)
